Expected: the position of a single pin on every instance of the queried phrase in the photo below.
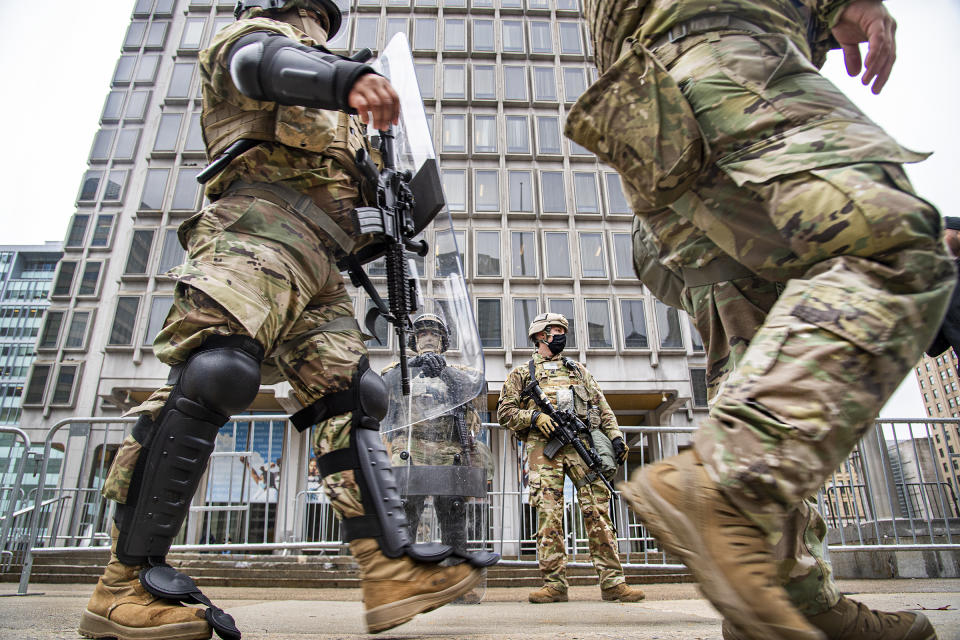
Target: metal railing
(898, 489)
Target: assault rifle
(568, 431)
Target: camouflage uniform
(515, 412)
(437, 442)
(256, 268)
(812, 270)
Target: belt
(299, 203)
(720, 269)
(704, 24)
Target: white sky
(59, 56)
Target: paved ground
(670, 612)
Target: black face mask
(557, 344)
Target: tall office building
(540, 224)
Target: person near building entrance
(832, 252)
(260, 299)
(568, 386)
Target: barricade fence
(897, 490)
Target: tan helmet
(544, 320)
(328, 7)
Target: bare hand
(868, 21)
(375, 100)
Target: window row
(15, 359)
(510, 83)
(510, 134)
(27, 290)
(533, 5)
(476, 35)
(20, 322)
(52, 384)
(109, 187)
(123, 328)
(528, 191)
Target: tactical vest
(562, 383)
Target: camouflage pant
(546, 496)
(828, 216)
(255, 269)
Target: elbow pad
(272, 67)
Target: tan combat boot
(396, 589)
(546, 594)
(622, 593)
(852, 620)
(727, 554)
(121, 608)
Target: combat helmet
(544, 320)
(327, 7)
(429, 321)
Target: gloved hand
(431, 364)
(545, 424)
(620, 449)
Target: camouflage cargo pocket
(636, 119)
(121, 471)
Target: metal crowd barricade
(897, 490)
(10, 498)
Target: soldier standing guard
(261, 299)
(802, 217)
(568, 385)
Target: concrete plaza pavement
(670, 612)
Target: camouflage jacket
(515, 411)
(806, 22)
(295, 135)
(429, 390)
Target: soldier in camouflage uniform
(831, 251)
(568, 385)
(261, 299)
(437, 441)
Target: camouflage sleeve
(608, 421)
(826, 12)
(510, 408)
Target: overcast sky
(60, 56)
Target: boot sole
(681, 538)
(95, 626)
(396, 613)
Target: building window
(518, 134)
(194, 140)
(127, 144)
(454, 81)
(524, 311)
(186, 191)
(565, 308)
(541, 37)
(455, 189)
(102, 143)
(557, 253)
(168, 132)
(487, 190)
(598, 324)
(574, 83)
(181, 80)
(395, 26)
(37, 384)
(153, 189)
(90, 186)
(485, 134)
(425, 73)
(78, 230)
(123, 73)
(102, 230)
(454, 134)
(698, 383)
(50, 335)
(585, 192)
(139, 254)
(633, 321)
(548, 135)
(523, 248)
(63, 389)
(484, 82)
(668, 327)
(511, 34)
(489, 323)
(77, 335)
(121, 333)
(157, 35)
(593, 263)
(553, 192)
(483, 35)
(172, 253)
(134, 37)
(137, 106)
(425, 34)
(623, 255)
(570, 38)
(90, 279)
(544, 84)
(192, 33)
(147, 71)
(616, 201)
(521, 191)
(367, 33)
(449, 247)
(116, 181)
(515, 83)
(487, 245)
(64, 281)
(113, 107)
(454, 34)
